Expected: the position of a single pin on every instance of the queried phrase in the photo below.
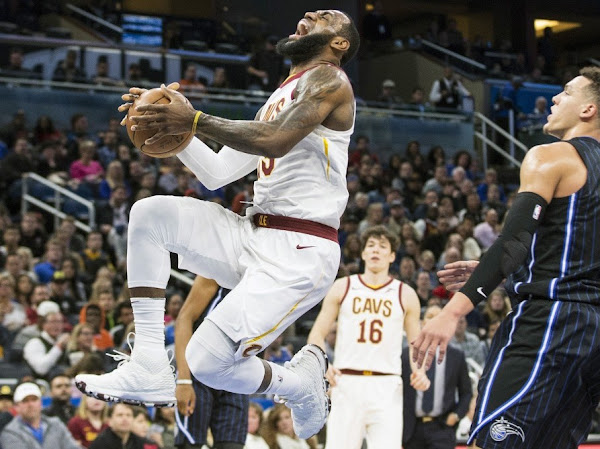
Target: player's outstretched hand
(174, 118)
(135, 92)
(437, 332)
(455, 274)
(186, 399)
(332, 374)
(419, 381)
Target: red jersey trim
(378, 287)
(346, 292)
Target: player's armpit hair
(510, 250)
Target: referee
(198, 406)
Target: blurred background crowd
(63, 284)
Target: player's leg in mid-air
(213, 242)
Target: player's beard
(305, 48)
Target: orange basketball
(166, 146)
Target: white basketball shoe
(139, 379)
(311, 408)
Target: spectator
(190, 83)
(15, 129)
(431, 417)
(255, 421)
(12, 314)
(388, 94)
(13, 266)
(102, 77)
(455, 38)
(52, 261)
(276, 352)
(351, 254)
(85, 169)
(107, 152)
(15, 65)
(471, 249)
(45, 131)
(11, 238)
(279, 432)
(46, 354)
(40, 300)
(105, 298)
(376, 26)
(219, 79)
(173, 306)
(79, 132)
(423, 289)
(80, 343)
(468, 342)
(448, 91)
(58, 294)
(361, 148)
(141, 426)
(241, 201)
(6, 400)
(487, 232)
(165, 425)
(18, 162)
(52, 164)
(408, 270)
(497, 306)
(119, 433)
(417, 100)
(374, 217)
(124, 315)
(93, 315)
(60, 393)
(74, 288)
(90, 420)
(93, 256)
(491, 177)
(68, 71)
(24, 288)
(31, 429)
(266, 68)
(493, 202)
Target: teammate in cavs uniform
(372, 310)
(280, 260)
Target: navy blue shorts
(541, 380)
(225, 413)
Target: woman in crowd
(81, 343)
(90, 420)
(255, 421)
(279, 431)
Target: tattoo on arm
(317, 94)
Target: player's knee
(212, 362)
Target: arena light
(557, 26)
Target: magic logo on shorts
(501, 429)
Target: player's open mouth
(301, 30)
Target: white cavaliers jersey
(309, 182)
(370, 327)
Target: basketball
(166, 146)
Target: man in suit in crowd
(431, 417)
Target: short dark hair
(121, 306)
(592, 74)
(349, 31)
(378, 232)
(56, 376)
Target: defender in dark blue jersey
(200, 407)
(541, 381)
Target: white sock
(284, 382)
(149, 318)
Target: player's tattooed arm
(318, 95)
(323, 95)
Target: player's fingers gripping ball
(166, 146)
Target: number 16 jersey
(370, 327)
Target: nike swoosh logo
(480, 291)
(303, 247)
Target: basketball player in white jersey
(372, 310)
(280, 260)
